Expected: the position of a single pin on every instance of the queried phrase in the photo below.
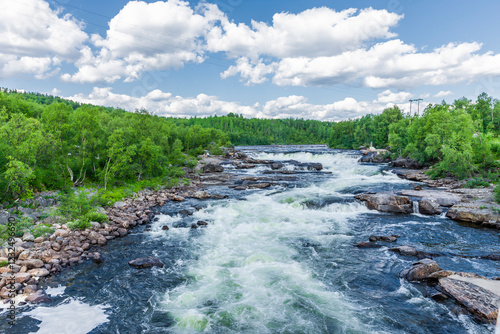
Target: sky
(315, 59)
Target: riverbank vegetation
(459, 139)
(49, 143)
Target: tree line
(459, 139)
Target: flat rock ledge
(387, 202)
(477, 294)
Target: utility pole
(418, 101)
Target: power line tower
(418, 101)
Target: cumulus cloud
(147, 36)
(35, 38)
(202, 105)
(443, 93)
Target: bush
(497, 193)
(41, 230)
(80, 224)
(96, 217)
(477, 182)
(4, 264)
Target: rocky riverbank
(35, 259)
(477, 294)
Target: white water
(248, 276)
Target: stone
(201, 194)
(177, 198)
(429, 206)
(28, 289)
(391, 238)
(32, 263)
(277, 165)
(477, 295)
(443, 198)
(119, 205)
(28, 237)
(25, 255)
(39, 272)
(212, 168)
(146, 262)
(421, 270)
(260, 185)
(61, 233)
(218, 196)
(194, 226)
(122, 231)
(38, 297)
(475, 212)
(19, 277)
(405, 250)
(367, 245)
(97, 258)
(56, 246)
(201, 223)
(164, 228)
(441, 274)
(387, 202)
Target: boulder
(119, 205)
(276, 165)
(39, 272)
(32, 263)
(28, 237)
(405, 250)
(420, 270)
(479, 296)
(212, 168)
(200, 194)
(367, 245)
(406, 163)
(164, 228)
(475, 212)
(387, 202)
(441, 274)
(146, 262)
(38, 297)
(442, 197)
(429, 206)
(202, 223)
(218, 196)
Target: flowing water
(279, 260)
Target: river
(279, 260)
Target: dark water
(279, 260)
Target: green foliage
(4, 264)
(476, 183)
(95, 216)
(496, 193)
(41, 230)
(21, 225)
(80, 224)
(215, 149)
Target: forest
(459, 139)
(49, 143)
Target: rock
(164, 228)
(28, 289)
(218, 196)
(56, 246)
(28, 237)
(202, 223)
(379, 156)
(406, 163)
(479, 296)
(122, 231)
(435, 294)
(119, 205)
(177, 198)
(405, 250)
(61, 233)
(240, 188)
(475, 212)
(421, 270)
(25, 255)
(277, 165)
(212, 168)
(32, 263)
(493, 257)
(38, 297)
(200, 194)
(441, 274)
(4, 217)
(367, 245)
(387, 202)
(39, 272)
(97, 258)
(239, 155)
(261, 185)
(194, 226)
(429, 206)
(442, 197)
(19, 277)
(146, 262)
(391, 238)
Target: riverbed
(274, 260)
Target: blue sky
(326, 60)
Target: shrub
(41, 230)
(4, 264)
(80, 224)
(96, 217)
(477, 182)
(497, 193)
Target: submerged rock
(368, 245)
(146, 262)
(391, 238)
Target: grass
(477, 182)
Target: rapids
(279, 260)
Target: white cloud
(293, 106)
(34, 38)
(389, 97)
(312, 33)
(443, 93)
(146, 37)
